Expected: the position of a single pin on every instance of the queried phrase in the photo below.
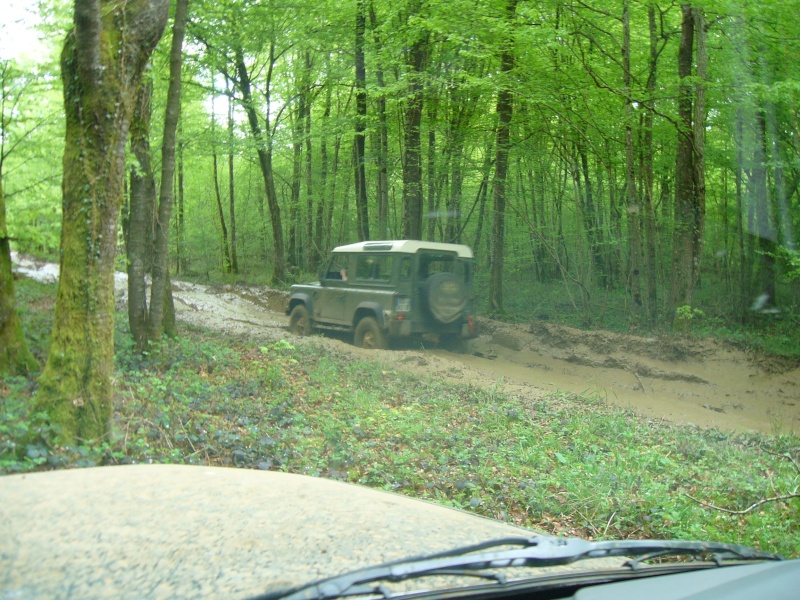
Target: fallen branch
(763, 501)
(787, 456)
(746, 510)
(641, 385)
(610, 520)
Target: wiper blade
(538, 551)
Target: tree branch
(761, 502)
(787, 456)
(746, 510)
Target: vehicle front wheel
(369, 334)
(300, 321)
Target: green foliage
(17, 425)
(31, 133)
(791, 261)
(688, 313)
(568, 103)
(35, 303)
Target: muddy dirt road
(681, 380)
(677, 379)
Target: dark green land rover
(387, 290)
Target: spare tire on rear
(447, 297)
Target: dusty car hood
(180, 531)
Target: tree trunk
(690, 163)
(594, 232)
(382, 146)
(182, 262)
(319, 241)
(432, 215)
(102, 65)
(483, 192)
(332, 240)
(231, 181)
(416, 59)
(453, 224)
(651, 287)
(310, 255)
(464, 108)
(264, 150)
(141, 209)
(744, 258)
(226, 256)
(632, 201)
(168, 323)
(681, 291)
(698, 145)
(160, 289)
(15, 357)
(293, 242)
(505, 107)
(359, 150)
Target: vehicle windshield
(534, 261)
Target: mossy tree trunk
(142, 200)
(15, 357)
(101, 69)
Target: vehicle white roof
(405, 246)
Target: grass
(565, 464)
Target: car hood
(191, 531)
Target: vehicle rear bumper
(463, 329)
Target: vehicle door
(371, 283)
(433, 264)
(329, 307)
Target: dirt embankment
(682, 380)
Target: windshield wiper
(538, 551)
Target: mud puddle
(705, 384)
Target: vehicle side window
(405, 268)
(337, 268)
(374, 267)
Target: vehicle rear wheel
(300, 321)
(369, 334)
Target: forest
(625, 164)
(648, 148)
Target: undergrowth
(565, 464)
(776, 334)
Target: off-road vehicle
(382, 291)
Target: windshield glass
(430, 264)
(533, 261)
